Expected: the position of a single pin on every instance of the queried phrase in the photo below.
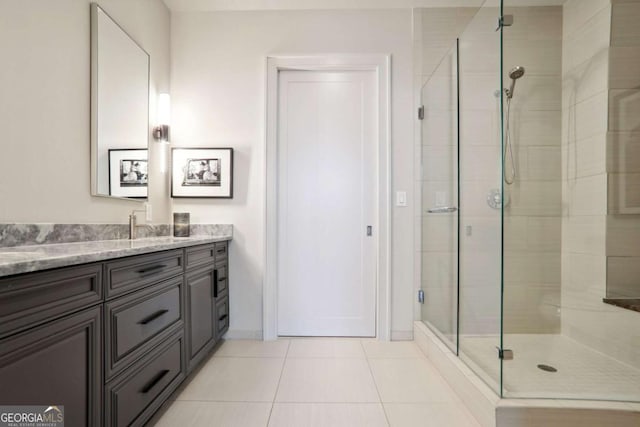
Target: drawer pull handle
(147, 271)
(221, 251)
(152, 317)
(222, 279)
(155, 380)
(221, 318)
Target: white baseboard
(401, 335)
(238, 334)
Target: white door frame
(381, 65)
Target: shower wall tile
(586, 118)
(528, 267)
(438, 233)
(623, 236)
(623, 152)
(416, 22)
(480, 163)
(477, 91)
(544, 234)
(485, 21)
(539, 57)
(624, 194)
(586, 80)
(625, 31)
(584, 158)
(484, 235)
(588, 40)
(535, 198)
(542, 164)
(515, 233)
(440, 127)
(624, 109)
(479, 127)
(625, 67)
(538, 93)
(441, 93)
(439, 29)
(584, 273)
(479, 53)
(438, 162)
(538, 128)
(544, 23)
(576, 13)
(532, 308)
(584, 235)
(589, 70)
(623, 275)
(587, 196)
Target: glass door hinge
(505, 354)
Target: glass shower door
(440, 200)
(480, 317)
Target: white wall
(44, 108)
(218, 99)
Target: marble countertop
(25, 259)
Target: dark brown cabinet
(207, 300)
(133, 396)
(59, 363)
(201, 308)
(111, 341)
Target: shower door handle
(444, 209)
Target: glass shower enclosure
(522, 243)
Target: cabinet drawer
(136, 319)
(222, 280)
(221, 251)
(222, 317)
(33, 298)
(134, 395)
(200, 256)
(133, 273)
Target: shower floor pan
(582, 372)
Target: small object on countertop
(181, 222)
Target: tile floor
(317, 382)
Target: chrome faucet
(133, 224)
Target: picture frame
(129, 172)
(202, 173)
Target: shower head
(515, 73)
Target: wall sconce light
(161, 131)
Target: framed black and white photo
(202, 172)
(128, 173)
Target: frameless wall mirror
(119, 110)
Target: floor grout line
(375, 383)
(275, 395)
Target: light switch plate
(401, 198)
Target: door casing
(380, 64)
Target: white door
(327, 139)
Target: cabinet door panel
(201, 312)
(59, 363)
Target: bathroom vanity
(109, 329)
